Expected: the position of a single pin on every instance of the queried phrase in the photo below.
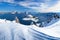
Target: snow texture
(10, 30)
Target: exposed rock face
(16, 20)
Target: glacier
(10, 30)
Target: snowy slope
(52, 30)
(10, 30)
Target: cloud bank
(47, 6)
(38, 5)
(55, 8)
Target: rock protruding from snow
(17, 20)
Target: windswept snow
(10, 30)
(52, 30)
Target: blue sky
(35, 5)
(4, 6)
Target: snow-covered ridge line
(52, 30)
(5, 21)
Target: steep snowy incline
(10, 30)
(52, 30)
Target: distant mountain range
(42, 17)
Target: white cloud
(43, 7)
(38, 6)
(10, 1)
(55, 8)
(27, 4)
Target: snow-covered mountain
(27, 19)
(10, 30)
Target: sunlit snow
(10, 30)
